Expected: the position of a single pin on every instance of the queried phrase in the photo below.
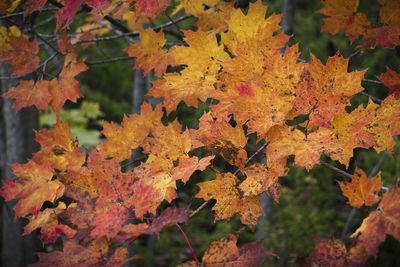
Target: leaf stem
(187, 241)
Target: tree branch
(133, 33)
(22, 13)
(335, 169)
(108, 60)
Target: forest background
(311, 203)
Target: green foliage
(82, 122)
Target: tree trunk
(16, 145)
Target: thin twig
(372, 81)
(108, 60)
(199, 208)
(133, 33)
(335, 169)
(372, 97)
(22, 13)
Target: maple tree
(236, 61)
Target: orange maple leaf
(229, 200)
(28, 93)
(307, 149)
(135, 128)
(362, 190)
(260, 179)
(17, 50)
(350, 129)
(33, 187)
(153, 187)
(202, 56)
(266, 84)
(342, 15)
(187, 166)
(220, 137)
(150, 53)
(58, 148)
(328, 90)
(65, 86)
(50, 227)
(102, 190)
(386, 220)
(385, 124)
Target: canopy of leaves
(257, 88)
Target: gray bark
(16, 145)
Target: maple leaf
(153, 187)
(342, 15)
(65, 86)
(386, 220)
(47, 220)
(263, 81)
(385, 124)
(328, 90)
(386, 32)
(28, 93)
(194, 7)
(96, 253)
(391, 79)
(220, 137)
(188, 86)
(65, 16)
(168, 142)
(208, 20)
(254, 26)
(350, 130)
(307, 149)
(327, 252)
(151, 8)
(150, 53)
(229, 200)
(259, 179)
(105, 189)
(202, 56)
(33, 187)
(135, 128)
(268, 108)
(187, 166)
(225, 252)
(58, 148)
(31, 6)
(168, 217)
(362, 190)
(17, 50)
